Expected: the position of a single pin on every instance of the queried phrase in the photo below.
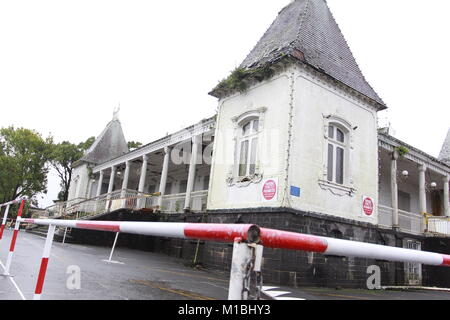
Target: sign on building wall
(269, 190)
(368, 206)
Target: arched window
(248, 147)
(337, 153)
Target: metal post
(113, 247)
(64, 238)
(44, 262)
(13, 240)
(112, 251)
(2, 227)
(245, 275)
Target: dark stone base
(284, 267)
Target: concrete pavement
(139, 275)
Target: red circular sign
(368, 206)
(269, 190)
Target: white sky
(65, 65)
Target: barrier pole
(114, 246)
(14, 239)
(44, 262)
(2, 227)
(64, 238)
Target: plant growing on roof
(402, 150)
(239, 78)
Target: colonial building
(296, 146)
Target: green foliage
(402, 150)
(23, 158)
(134, 145)
(63, 156)
(239, 78)
(87, 144)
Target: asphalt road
(139, 276)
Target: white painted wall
(274, 96)
(79, 184)
(311, 101)
(314, 101)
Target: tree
(63, 156)
(134, 145)
(23, 163)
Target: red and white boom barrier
(242, 233)
(201, 231)
(5, 216)
(212, 232)
(14, 239)
(338, 247)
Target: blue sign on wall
(295, 191)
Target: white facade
(295, 109)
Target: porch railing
(408, 222)
(125, 199)
(174, 203)
(438, 225)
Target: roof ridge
(302, 19)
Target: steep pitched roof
(110, 144)
(444, 156)
(309, 27)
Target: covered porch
(413, 190)
(170, 175)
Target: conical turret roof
(308, 26)
(444, 156)
(110, 144)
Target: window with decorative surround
(337, 139)
(248, 147)
(248, 127)
(338, 146)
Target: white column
(143, 174)
(191, 177)
(125, 178)
(111, 179)
(100, 183)
(89, 189)
(422, 189)
(446, 197)
(165, 170)
(394, 190)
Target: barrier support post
(245, 275)
(113, 247)
(14, 239)
(112, 251)
(64, 238)
(44, 262)
(2, 227)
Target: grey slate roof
(309, 26)
(444, 156)
(110, 144)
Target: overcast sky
(65, 65)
